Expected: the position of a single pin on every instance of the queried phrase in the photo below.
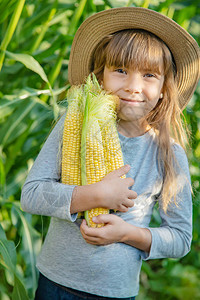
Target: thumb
(101, 219)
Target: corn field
(35, 40)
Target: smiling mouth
(132, 101)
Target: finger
(88, 232)
(83, 224)
(130, 181)
(122, 208)
(92, 242)
(102, 219)
(122, 171)
(85, 230)
(83, 227)
(132, 194)
(128, 203)
(90, 239)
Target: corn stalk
(71, 30)
(10, 31)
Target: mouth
(132, 101)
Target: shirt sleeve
(173, 238)
(43, 193)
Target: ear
(161, 96)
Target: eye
(121, 71)
(149, 75)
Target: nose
(134, 84)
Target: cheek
(154, 92)
(105, 84)
(109, 84)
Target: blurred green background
(35, 37)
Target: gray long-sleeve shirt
(112, 270)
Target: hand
(116, 230)
(113, 231)
(114, 191)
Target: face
(139, 91)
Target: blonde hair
(136, 49)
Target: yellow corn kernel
(112, 148)
(71, 172)
(71, 159)
(95, 167)
(94, 213)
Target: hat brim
(184, 48)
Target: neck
(133, 129)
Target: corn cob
(71, 160)
(112, 149)
(95, 167)
(91, 147)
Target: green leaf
(33, 65)
(10, 30)
(76, 17)
(28, 237)
(55, 45)
(2, 174)
(8, 251)
(2, 233)
(10, 102)
(14, 149)
(14, 126)
(29, 62)
(19, 291)
(6, 8)
(7, 107)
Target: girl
(154, 73)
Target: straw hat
(183, 47)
